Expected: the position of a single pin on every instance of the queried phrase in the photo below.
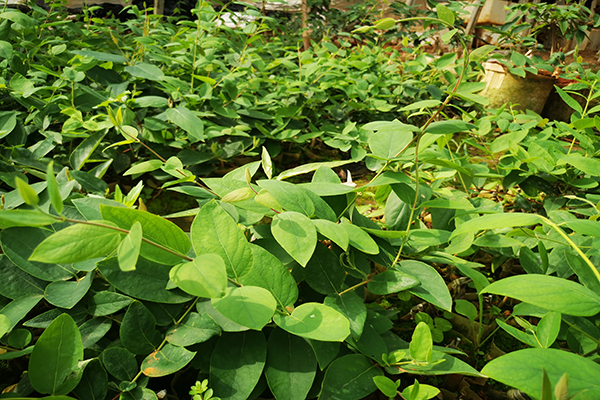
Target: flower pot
(556, 109)
(13, 3)
(493, 12)
(529, 93)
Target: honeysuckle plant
(287, 282)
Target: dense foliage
(472, 229)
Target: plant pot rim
(494, 66)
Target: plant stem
(163, 159)
(422, 131)
(573, 245)
(354, 287)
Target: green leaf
(101, 56)
(93, 330)
(449, 127)
(17, 309)
(290, 196)
(391, 281)
(152, 102)
(66, 294)
(371, 344)
(562, 387)
(546, 386)
(138, 330)
(421, 104)
(94, 383)
(120, 363)
(291, 366)
(6, 49)
(270, 273)
(482, 52)
(55, 356)
(16, 354)
(148, 282)
(441, 364)
(27, 193)
(214, 231)
(363, 29)
(266, 199)
(446, 37)
(322, 209)
(54, 193)
(432, 289)
(525, 337)
(466, 308)
(549, 292)
(297, 234)
(10, 218)
(327, 175)
(310, 167)
(388, 144)
(335, 232)
(237, 363)
(143, 167)
(360, 239)
(156, 229)
(18, 244)
(385, 23)
(349, 378)
(326, 352)
(16, 282)
(188, 121)
(145, 71)
(249, 306)
(445, 14)
(8, 120)
(106, 303)
(522, 369)
(78, 242)
(548, 328)
(166, 361)
(584, 227)
(205, 307)
(206, 276)
(386, 386)
(315, 321)
(530, 261)
(324, 273)
(420, 392)
(584, 272)
(129, 249)
(352, 306)
(571, 102)
(195, 328)
(326, 188)
(240, 194)
(588, 165)
(496, 221)
(4, 325)
(90, 183)
(479, 280)
(421, 344)
(84, 151)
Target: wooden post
(473, 18)
(305, 32)
(159, 7)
